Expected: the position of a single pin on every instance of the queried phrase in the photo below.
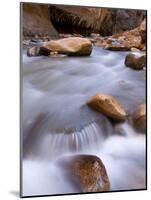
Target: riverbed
(56, 120)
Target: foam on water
(57, 121)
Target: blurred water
(56, 120)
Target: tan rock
(107, 105)
(95, 35)
(73, 46)
(137, 62)
(126, 40)
(142, 30)
(139, 118)
(135, 49)
(88, 172)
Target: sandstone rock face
(107, 105)
(73, 46)
(139, 118)
(143, 31)
(36, 21)
(86, 20)
(82, 20)
(43, 20)
(135, 62)
(88, 172)
(126, 19)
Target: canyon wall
(47, 20)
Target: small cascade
(48, 145)
(56, 120)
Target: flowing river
(56, 120)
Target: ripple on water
(57, 121)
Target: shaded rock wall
(71, 19)
(36, 21)
(86, 20)
(127, 19)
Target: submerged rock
(73, 46)
(38, 51)
(87, 172)
(33, 51)
(137, 62)
(107, 105)
(139, 118)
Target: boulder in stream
(139, 118)
(72, 46)
(107, 105)
(137, 62)
(38, 51)
(33, 51)
(87, 172)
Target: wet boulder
(72, 46)
(139, 118)
(33, 51)
(134, 61)
(87, 173)
(44, 51)
(107, 105)
(38, 51)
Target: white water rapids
(56, 121)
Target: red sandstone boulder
(137, 62)
(107, 105)
(72, 46)
(88, 172)
(139, 118)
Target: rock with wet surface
(107, 105)
(87, 172)
(139, 118)
(38, 51)
(73, 46)
(137, 62)
(33, 51)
